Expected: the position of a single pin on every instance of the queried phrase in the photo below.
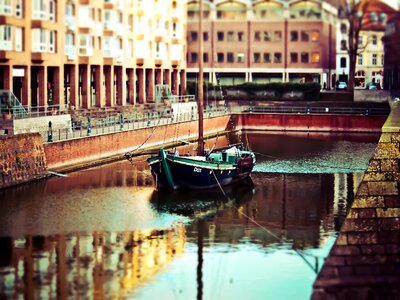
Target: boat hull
(194, 174)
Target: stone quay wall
(22, 159)
(364, 263)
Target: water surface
(105, 233)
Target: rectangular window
(39, 40)
(374, 59)
(52, 41)
(360, 41)
(374, 39)
(220, 57)
(85, 45)
(193, 57)
(277, 36)
(267, 58)
(229, 57)
(360, 60)
(257, 36)
(382, 59)
(343, 62)
(277, 57)
(240, 36)
(294, 36)
(315, 57)
(220, 36)
(304, 58)
(18, 39)
(267, 36)
(205, 36)
(205, 57)
(18, 9)
(294, 57)
(5, 8)
(343, 45)
(240, 57)
(314, 36)
(256, 57)
(305, 36)
(193, 36)
(5, 37)
(230, 37)
(39, 10)
(343, 28)
(52, 11)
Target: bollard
(50, 134)
(121, 121)
(89, 128)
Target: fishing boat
(207, 169)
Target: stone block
(368, 202)
(388, 212)
(392, 201)
(359, 225)
(372, 249)
(387, 150)
(390, 165)
(382, 188)
(374, 165)
(361, 238)
(345, 250)
(367, 213)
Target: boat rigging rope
(302, 255)
(129, 155)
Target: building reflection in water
(87, 236)
(99, 265)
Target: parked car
(341, 86)
(371, 86)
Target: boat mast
(200, 142)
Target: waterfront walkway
(365, 261)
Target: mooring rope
(266, 229)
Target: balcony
(86, 51)
(86, 23)
(7, 55)
(70, 23)
(41, 56)
(70, 52)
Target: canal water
(105, 233)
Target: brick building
(263, 41)
(369, 64)
(392, 58)
(86, 53)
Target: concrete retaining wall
(22, 159)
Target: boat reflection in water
(200, 203)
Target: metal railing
(371, 111)
(41, 111)
(118, 123)
(10, 104)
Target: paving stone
(359, 238)
(369, 202)
(359, 225)
(382, 188)
(389, 165)
(387, 150)
(388, 212)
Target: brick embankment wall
(323, 123)
(365, 261)
(22, 159)
(66, 155)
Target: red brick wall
(22, 159)
(89, 149)
(329, 123)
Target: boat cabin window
(224, 156)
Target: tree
(354, 12)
